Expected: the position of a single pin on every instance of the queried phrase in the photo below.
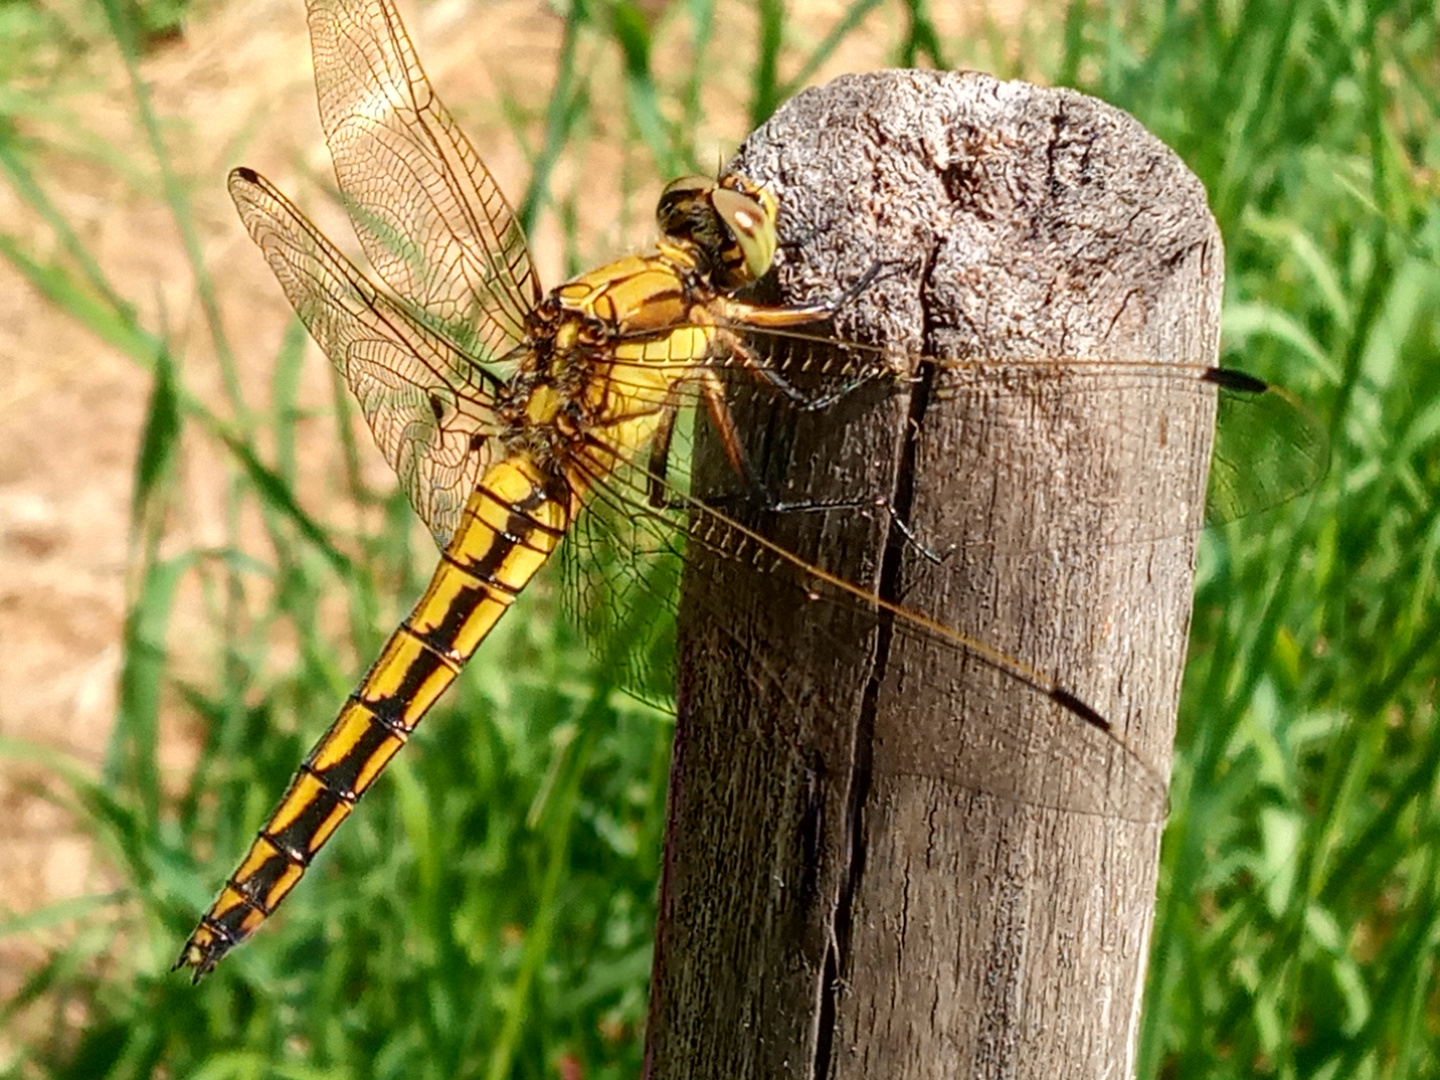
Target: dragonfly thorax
(604, 352)
(607, 350)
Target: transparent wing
(430, 217)
(1268, 447)
(626, 560)
(627, 557)
(428, 405)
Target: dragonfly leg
(793, 351)
(865, 280)
(720, 415)
(878, 502)
(749, 360)
(713, 391)
(770, 317)
(724, 420)
(660, 455)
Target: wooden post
(845, 894)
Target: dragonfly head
(729, 223)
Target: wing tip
(1077, 705)
(1234, 379)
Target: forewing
(428, 405)
(1268, 450)
(429, 215)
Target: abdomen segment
(511, 524)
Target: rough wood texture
(846, 893)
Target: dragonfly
(515, 417)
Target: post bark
(844, 894)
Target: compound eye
(743, 185)
(679, 202)
(751, 220)
(693, 184)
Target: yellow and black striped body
(511, 525)
(605, 350)
(600, 366)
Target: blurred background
(200, 550)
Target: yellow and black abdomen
(512, 523)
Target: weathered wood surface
(844, 895)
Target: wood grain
(844, 893)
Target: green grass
(1296, 931)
